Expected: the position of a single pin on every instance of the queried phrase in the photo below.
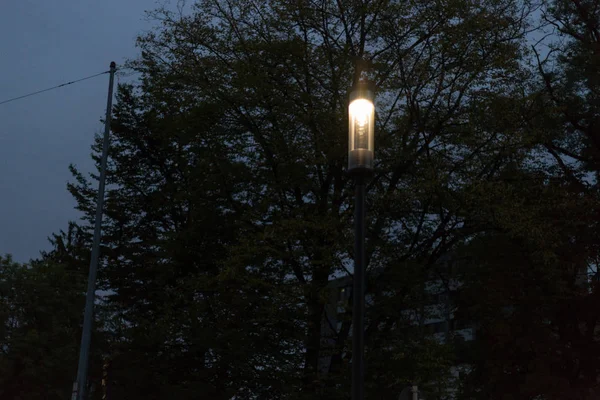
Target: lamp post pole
(358, 311)
(79, 387)
(361, 117)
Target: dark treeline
(229, 209)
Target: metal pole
(358, 302)
(79, 387)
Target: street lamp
(361, 130)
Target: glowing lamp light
(361, 128)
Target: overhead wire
(52, 88)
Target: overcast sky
(45, 43)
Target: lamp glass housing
(361, 128)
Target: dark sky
(45, 43)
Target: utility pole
(80, 385)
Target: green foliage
(529, 283)
(229, 211)
(40, 310)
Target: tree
(533, 296)
(526, 287)
(40, 310)
(229, 210)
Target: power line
(52, 88)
